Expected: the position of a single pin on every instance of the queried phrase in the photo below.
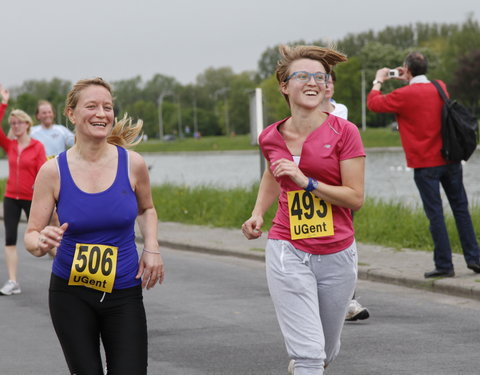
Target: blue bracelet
(312, 184)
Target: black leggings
(12, 209)
(80, 317)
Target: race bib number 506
(94, 266)
(309, 215)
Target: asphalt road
(213, 315)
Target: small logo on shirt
(327, 146)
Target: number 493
(303, 204)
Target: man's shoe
(356, 311)
(475, 267)
(291, 367)
(438, 273)
(10, 287)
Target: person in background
(316, 164)
(25, 157)
(355, 310)
(329, 104)
(100, 189)
(418, 108)
(56, 138)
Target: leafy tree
(214, 79)
(373, 57)
(348, 88)
(127, 92)
(159, 84)
(26, 102)
(146, 111)
(466, 80)
(238, 100)
(275, 106)
(460, 43)
(31, 91)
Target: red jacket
(23, 166)
(418, 108)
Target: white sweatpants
(310, 294)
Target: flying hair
(328, 57)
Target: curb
(461, 288)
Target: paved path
(402, 267)
(376, 263)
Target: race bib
(309, 215)
(94, 266)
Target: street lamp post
(179, 114)
(195, 119)
(160, 114)
(364, 111)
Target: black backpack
(459, 129)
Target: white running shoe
(356, 311)
(291, 367)
(10, 287)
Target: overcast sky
(120, 39)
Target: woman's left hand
(285, 167)
(150, 269)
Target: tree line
(218, 102)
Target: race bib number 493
(310, 216)
(94, 266)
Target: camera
(393, 73)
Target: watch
(377, 81)
(312, 184)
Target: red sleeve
(4, 140)
(3, 108)
(352, 144)
(378, 102)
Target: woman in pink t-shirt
(316, 165)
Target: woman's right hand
(251, 228)
(50, 237)
(4, 95)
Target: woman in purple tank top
(99, 189)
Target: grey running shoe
(10, 287)
(356, 311)
(291, 367)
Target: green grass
(380, 137)
(377, 222)
(219, 143)
(3, 184)
(372, 137)
(205, 205)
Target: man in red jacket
(418, 108)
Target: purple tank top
(105, 218)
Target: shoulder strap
(440, 90)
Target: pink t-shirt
(335, 140)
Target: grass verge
(372, 137)
(378, 222)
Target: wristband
(151, 252)
(312, 184)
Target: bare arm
(39, 236)
(151, 267)
(350, 194)
(268, 192)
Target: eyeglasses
(19, 122)
(302, 76)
